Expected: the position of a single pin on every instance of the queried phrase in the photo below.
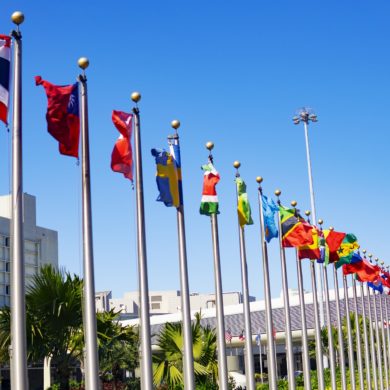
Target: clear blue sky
(233, 73)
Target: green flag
(243, 206)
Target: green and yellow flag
(243, 206)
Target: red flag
(5, 62)
(365, 271)
(333, 242)
(311, 251)
(62, 115)
(122, 154)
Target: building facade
(40, 244)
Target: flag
(243, 206)
(174, 150)
(5, 64)
(241, 336)
(269, 210)
(377, 286)
(311, 251)
(62, 115)
(167, 178)
(228, 336)
(258, 340)
(295, 230)
(333, 242)
(122, 154)
(365, 271)
(209, 202)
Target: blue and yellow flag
(168, 175)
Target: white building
(102, 301)
(166, 302)
(40, 244)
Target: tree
(168, 362)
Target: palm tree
(168, 362)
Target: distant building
(167, 302)
(102, 301)
(40, 244)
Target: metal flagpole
(358, 336)
(222, 362)
(385, 361)
(146, 350)
(351, 361)
(319, 321)
(188, 359)
(19, 378)
(366, 346)
(90, 332)
(286, 303)
(258, 342)
(250, 364)
(372, 341)
(340, 331)
(305, 347)
(387, 321)
(271, 360)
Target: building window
(7, 289)
(7, 266)
(7, 240)
(156, 298)
(155, 306)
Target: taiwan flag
(5, 60)
(62, 115)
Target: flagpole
(378, 347)
(271, 360)
(250, 366)
(90, 333)
(286, 303)
(383, 338)
(222, 360)
(18, 353)
(340, 331)
(349, 335)
(319, 321)
(366, 345)
(387, 321)
(188, 359)
(146, 349)
(358, 336)
(372, 341)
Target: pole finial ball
(331, 228)
(364, 251)
(135, 97)
(277, 192)
(175, 124)
(382, 262)
(307, 213)
(259, 179)
(294, 203)
(210, 145)
(236, 164)
(83, 62)
(320, 221)
(17, 17)
(376, 259)
(370, 255)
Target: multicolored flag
(296, 231)
(122, 154)
(347, 249)
(311, 251)
(269, 210)
(333, 242)
(5, 64)
(62, 115)
(168, 178)
(377, 286)
(209, 202)
(243, 206)
(365, 271)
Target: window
(155, 306)
(7, 266)
(7, 240)
(7, 289)
(156, 298)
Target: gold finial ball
(175, 124)
(294, 203)
(83, 62)
(376, 259)
(364, 251)
(259, 179)
(370, 255)
(320, 221)
(277, 192)
(331, 228)
(17, 17)
(135, 97)
(382, 262)
(236, 164)
(307, 213)
(210, 145)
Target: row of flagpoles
(66, 118)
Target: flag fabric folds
(122, 154)
(296, 231)
(5, 64)
(243, 206)
(377, 286)
(62, 115)
(209, 202)
(168, 176)
(333, 242)
(311, 251)
(365, 271)
(269, 210)
(347, 249)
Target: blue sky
(234, 73)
